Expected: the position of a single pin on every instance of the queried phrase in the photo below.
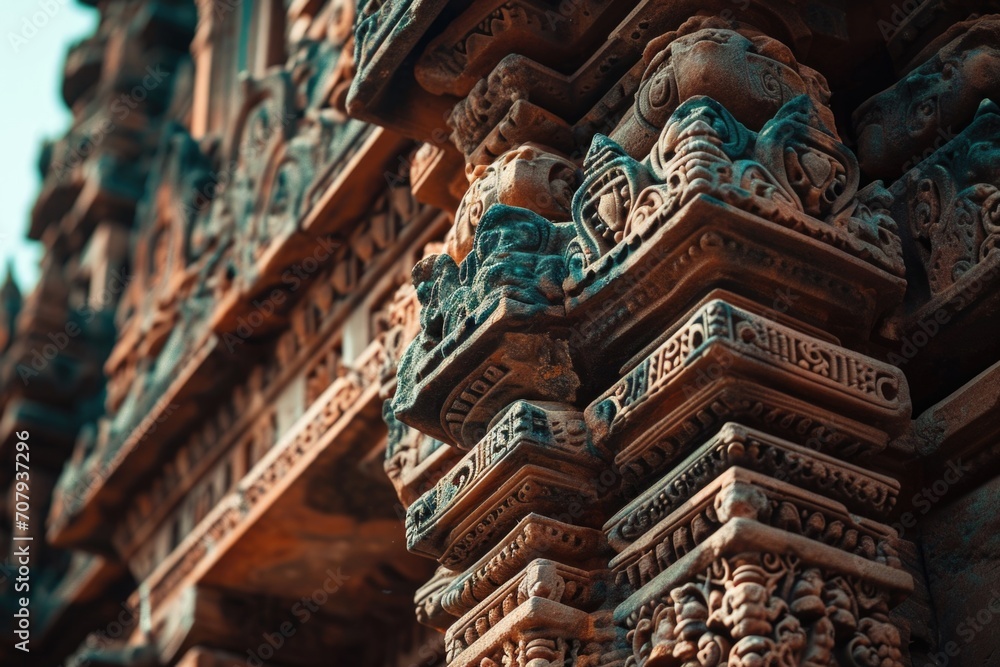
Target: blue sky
(34, 37)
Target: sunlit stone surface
(414, 333)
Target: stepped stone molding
(737, 451)
(512, 333)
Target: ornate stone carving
(408, 454)
(528, 177)
(748, 72)
(535, 536)
(741, 493)
(456, 60)
(602, 205)
(931, 104)
(639, 415)
(262, 188)
(540, 579)
(754, 609)
(522, 464)
(951, 203)
(531, 95)
(322, 66)
(643, 400)
(509, 283)
(167, 301)
(736, 445)
(794, 172)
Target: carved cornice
(330, 415)
(725, 364)
(741, 493)
(736, 445)
(525, 436)
(535, 536)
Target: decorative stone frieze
(513, 333)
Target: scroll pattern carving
(781, 346)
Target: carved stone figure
(511, 333)
(931, 104)
(757, 609)
(793, 171)
(950, 204)
(528, 177)
(751, 74)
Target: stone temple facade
(511, 333)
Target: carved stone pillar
(650, 337)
